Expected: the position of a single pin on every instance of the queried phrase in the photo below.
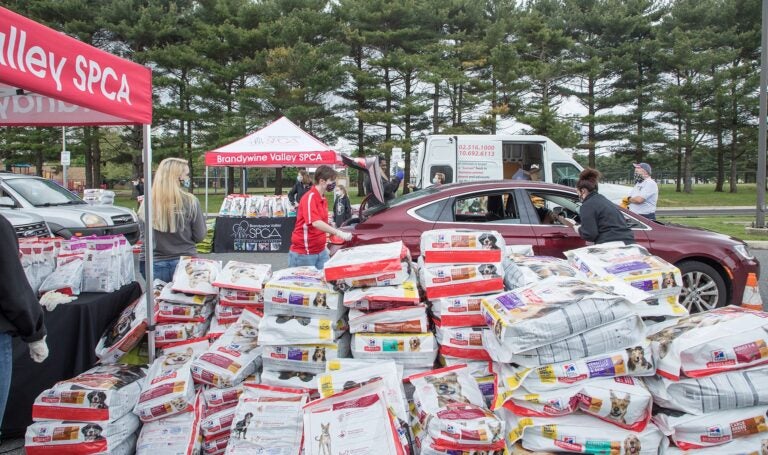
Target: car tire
(703, 287)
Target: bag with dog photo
(412, 319)
(69, 437)
(384, 297)
(525, 270)
(238, 298)
(227, 314)
(412, 350)
(268, 420)
(311, 358)
(125, 333)
(174, 312)
(302, 291)
(217, 420)
(196, 275)
(285, 330)
(175, 332)
(102, 394)
(178, 434)
(580, 434)
(380, 264)
(690, 432)
(233, 356)
(457, 280)
(458, 312)
(462, 342)
(243, 276)
(461, 246)
(292, 379)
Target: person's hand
(625, 202)
(344, 235)
(399, 174)
(38, 350)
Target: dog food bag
(412, 350)
(115, 438)
(580, 434)
(456, 280)
(437, 389)
(341, 364)
(101, 266)
(178, 434)
(301, 291)
(353, 421)
(284, 330)
(196, 276)
(68, 276)
(461, 246)
(238, 298)
(215, 397)
(311, 358)
(397, 320)
(718, 392)
(756, 444)
(125, 333)
(233, 356)
(695, 432)
(723, 339)
(525, 270)
(216, 445)
(627, 331)
(174, 332)
(458, 312)
(102, 394)
(631, 361)
(243, 276)
(170, 296)
(217, 421)
(227, 314)
(462, 342)
(290, 379)
(384, 297)
(174, 312)
(379, 263)
(550, 311)
(218, 328)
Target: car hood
(703, 233)
(369, 166)
(69, 215)
(17, 217)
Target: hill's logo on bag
(569, 369)
(719, 356)
(715, 432)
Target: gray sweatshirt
(182, 242)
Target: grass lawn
(704, 195)
(729, 225)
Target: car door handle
(555, 235)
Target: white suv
(25, 224)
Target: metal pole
(149, 241)
(64, 149)
(206, 190)
(760, 221)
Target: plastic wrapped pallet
(714, 429)
(311, 358)
(381, 264)
(458, 311)
(456, 280)
(114, 438)
(413, 350)
(411, 319)
(461, 246)
(125, 333)
(301, 291)
(178, 434)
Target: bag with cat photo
(244, 276)
(196, 276)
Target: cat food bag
(170, 296)
(525, 270)
(631, 361)
(173, 312)
(291, 379)
(227, 314)
(311, 358)
(624, 402)
(723, 339)
(381, 264)
(580, 434)
(354, 421)
(414, 350)
(461, 246)
(398, 320)
(384, 297)
(302, 291)
(102, 394)
(68, 276)
(217, 420)
(458, 311)
(462, 342)
(243, 276)
(268, 420)
(114, 438)
(718, 392)
(456, 280)
(174, 332)
(178, 434)
(284, 330)
(233, 356)
(627, 331)
(695, 432)
(238, 298)
(752, 445)
(125, 333)
(550, 311)
(196, 276)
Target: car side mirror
(5, 201)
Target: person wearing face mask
(177, 218)
(308, 241)
(601, 220)
(302, 185)
(342, 209)
(643, 197)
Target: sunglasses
(303, 320)
(305, 377)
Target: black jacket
(297, 192)
(342, 210)
(20, 311)
(390, 188)
(602, 221)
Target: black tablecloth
(262, 235)
(74, 330)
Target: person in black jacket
(601, 219)
(303, 184)
(20, 311)
(342, 209)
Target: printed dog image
(668, 280)
(243, 273)
(414, 344)
(318, 355)
(352, 384)
(92, 432)
(119, 329)
(548, 270)
(619, 408)
(447, 388)
(487, 270)
(495, 432)
(304, 377)
(97, 399)
(247, 336)
(632, 445)
(764, 447)
(320, 300)
(666, 336)
(174, 361)
(636, 359)
(324, 440)
(488, 242)
(497, 329)
(198, 273)
(241, 427)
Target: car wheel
(703, 287)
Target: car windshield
(42, 192)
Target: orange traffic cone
(752, 298)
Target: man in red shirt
(309, 236)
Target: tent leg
(206, 190)
(149, 254)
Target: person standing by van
(531, 174)
(645, 194)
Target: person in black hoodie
(303, 184)
(20, 311)
(601, 219)
(342, 209)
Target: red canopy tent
(50, 79)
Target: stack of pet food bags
(386, 318)
(712, 383)
(240, 286)
(303, 327)
(458, 267)
(90, 413)
(185, 305)
(570, 355)
(254, 206)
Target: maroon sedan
(714, 266)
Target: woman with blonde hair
(177, 218)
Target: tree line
(671, 82)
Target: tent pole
(149, 254)
(206, 190)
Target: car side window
(487, 208)
(546, 204)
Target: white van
(471, 158)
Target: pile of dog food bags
(256, 206)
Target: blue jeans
(301, 260)
(6, 361)
(163, 270)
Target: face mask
(435, 180)
(330, 186)
(298, 178)
(186, 182)
(639, 178)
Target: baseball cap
(534, 167)
(645, 166)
